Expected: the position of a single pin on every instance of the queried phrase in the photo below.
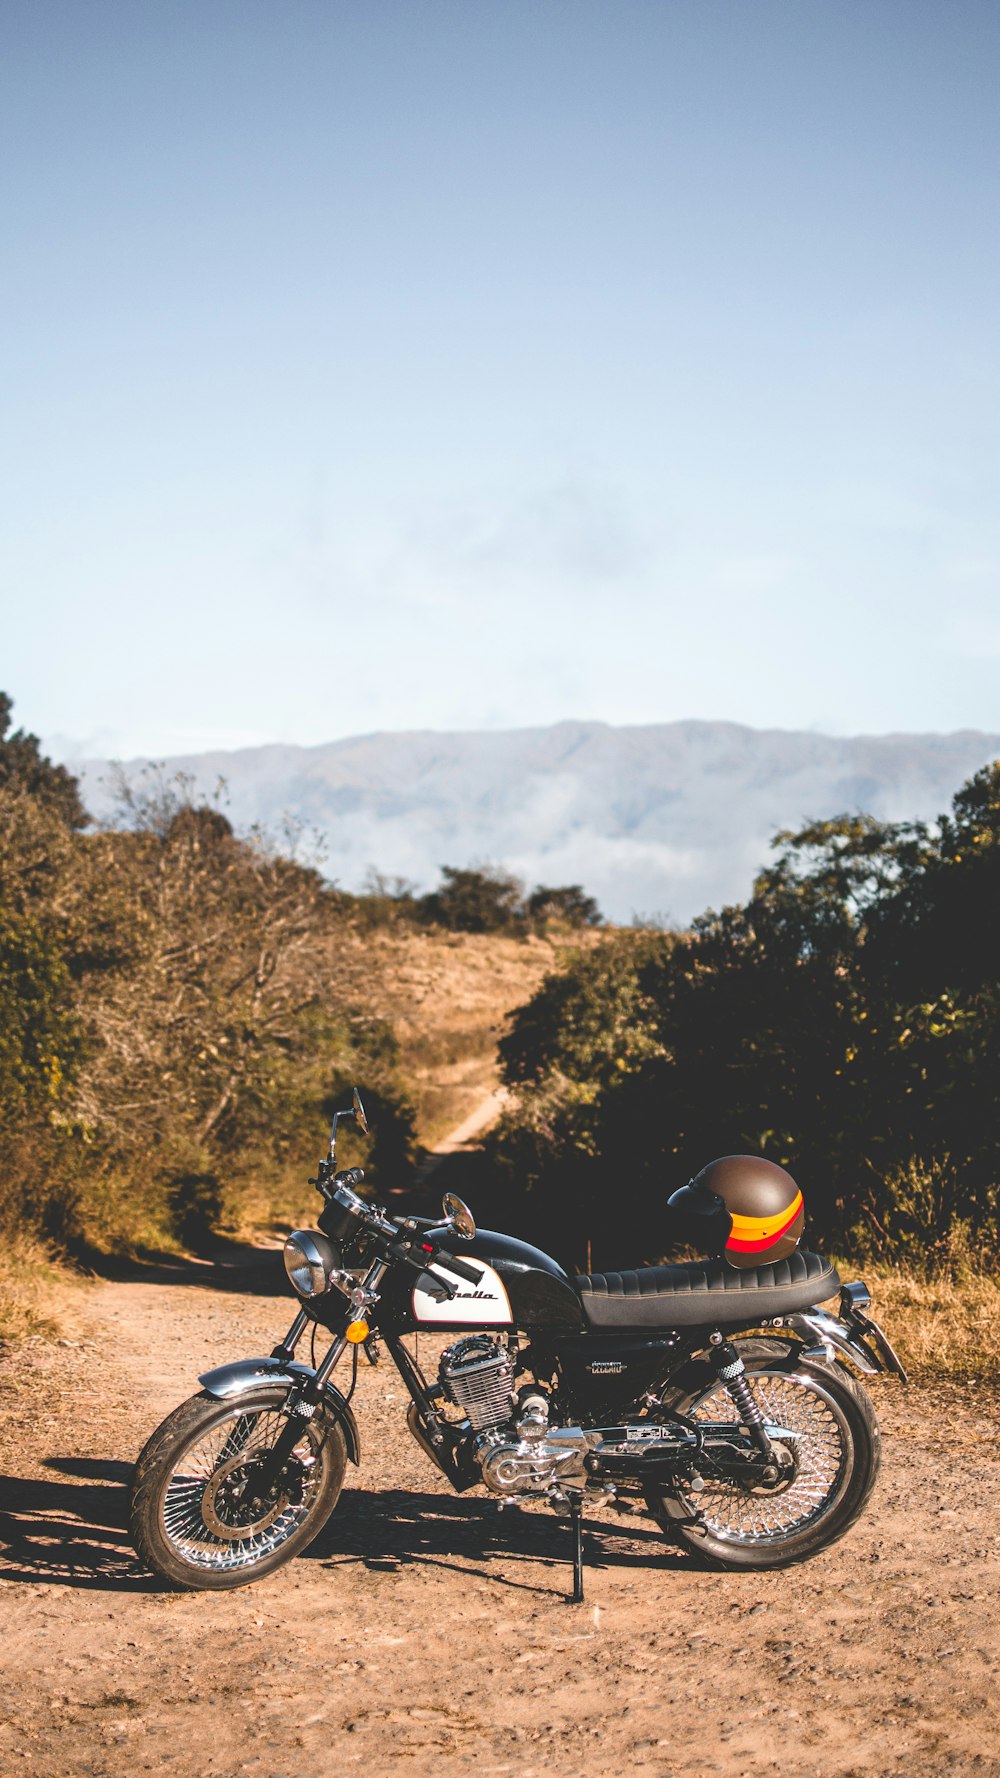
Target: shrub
(569, 906)
(475, 900)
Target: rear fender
(230, 1381)
(860, 1342)
(814, 1337)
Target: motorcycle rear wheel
(837, 1446)
(186, 1518)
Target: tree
(569, 904)
(39, 1034)
(844, 1021)
(475, 900)
(24, 767)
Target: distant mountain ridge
(663, 819)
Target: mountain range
(661, 820)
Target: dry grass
(447, 996)
(39, 1297)
(939, 1326)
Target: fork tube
(361, 1301)
(332, 1358)
(286, 1347)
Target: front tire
(836, 1444)
(186, 1519)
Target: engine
(478, 1376)
(517, 1449)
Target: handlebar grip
(460, 1267)
(353, 1177)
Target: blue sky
(471, 364)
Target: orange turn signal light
(358, 1331)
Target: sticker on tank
(485, 1304)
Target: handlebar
(460, 1267)
(399, 1240)
(420, 1255)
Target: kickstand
(576, 1516)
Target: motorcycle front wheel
(832, 1438)
(187, 1520)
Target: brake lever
(421, 1261)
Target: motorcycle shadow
(71, 1532)
(393, 1528)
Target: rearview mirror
(355, 1109)
(458, 1215)
(359, 1111)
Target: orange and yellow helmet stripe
(754, 1234)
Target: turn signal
(357, 1332)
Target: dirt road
(426, 1633)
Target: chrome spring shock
(730, 1370)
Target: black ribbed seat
(705, 1293)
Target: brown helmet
(749, 1210)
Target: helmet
(748, 1210)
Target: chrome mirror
(458, 1215)
(359, 1111)
(356, 1110)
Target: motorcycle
(724, 1404)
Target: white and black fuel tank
(521, 1286)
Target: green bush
(40, 1041)
(844, 1022)
(177, 1008)
(486, 900)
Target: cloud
(755, 573)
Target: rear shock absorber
(730, 1370)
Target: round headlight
(309, 1262)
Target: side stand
(576, 1518)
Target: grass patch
(39, 1297)
(940, 1326)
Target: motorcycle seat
(705, 1293)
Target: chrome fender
(827, 1338)
(230, 1381)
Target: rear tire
(185, 1516)
(838, 1445)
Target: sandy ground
(425, 1632)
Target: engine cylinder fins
(477, 1376)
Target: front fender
(232, 1380)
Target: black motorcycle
(723, 1401)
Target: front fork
(303, 1402)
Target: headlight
(309, 1261)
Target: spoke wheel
(827, 1445)
(813, 1458)
(194, 1519)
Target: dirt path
(464, 1137)
(425, 1633)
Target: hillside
(447, 997)
(664, 819)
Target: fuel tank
(522, 1286)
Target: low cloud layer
(661, 820)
